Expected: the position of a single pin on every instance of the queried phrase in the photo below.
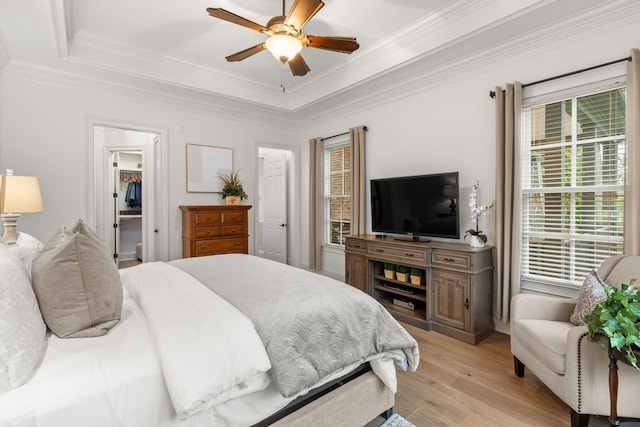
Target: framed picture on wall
(204, 166)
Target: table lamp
(18, 194)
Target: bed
(225, 340)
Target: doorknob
(283, 225)
(155, 231)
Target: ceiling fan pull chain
(282, 73)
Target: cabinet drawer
(206, 218)
(456, 260)
(228, 217)
(355, 245)
(219, 246)
(213, 231)
(234, 230)
(397, 254)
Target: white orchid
(476, 212)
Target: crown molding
(433, 70)
(155, 93)
(61, 32)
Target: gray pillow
(22, 331)
(591, 294)
(77, 284)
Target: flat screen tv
(424, 205)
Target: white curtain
(358, 180)
(508, 207)
(632, 179)
(316, 156)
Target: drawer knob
(380, 250)
(208, 218)
(357, 246)
(238, 243)
(233, 230)
(203, 247)
(208, 231)
(449, 259)
(408, 254)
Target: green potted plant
(402, 273)
(232, 189)
(416, 276)
(617, 318)
(389, 270)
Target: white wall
(449, 125)
(44, 134)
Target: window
(572, 187)
(337, 193)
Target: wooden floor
(458, 384)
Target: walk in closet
(128, 207)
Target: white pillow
(26, 248)
(22, 330)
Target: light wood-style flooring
(458, 384)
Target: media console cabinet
(454, 297)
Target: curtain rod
(338, 134)
(492, 93)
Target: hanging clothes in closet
(134, 194)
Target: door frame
(293, 214)
(161, 176)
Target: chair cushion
(546, 340)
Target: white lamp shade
(20, 194)
(283, 46)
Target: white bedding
(113, 380)
(117, 380)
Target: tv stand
(453, 295)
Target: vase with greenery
(402, 273)
(617, 318)
(416, 275)
(389, 270)
(232, 189)
(478, 238)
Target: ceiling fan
(286, 39)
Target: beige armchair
(561, 356)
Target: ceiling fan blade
(302, 11)
(298, 66)
(336, 44)
(244, 54)
(235, 19)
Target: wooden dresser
(212, 230)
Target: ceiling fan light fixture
(283, 46)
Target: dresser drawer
(356, 245)
(232, 217)
(206, 218)
(398, 254)
(212, 231)
(444, 258)
(220, 246)
(234, 230)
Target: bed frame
(355, 399)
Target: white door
(274, 203)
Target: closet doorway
(128, 193)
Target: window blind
(573, 160)
(337, 193)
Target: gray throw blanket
(311, 325)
